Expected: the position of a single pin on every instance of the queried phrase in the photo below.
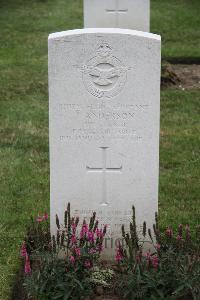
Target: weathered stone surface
(104, 94)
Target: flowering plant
(160, 264)
(81, 248)
(60, 267)
(37, 240)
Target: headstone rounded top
(142, 34)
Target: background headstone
(129, 14)
(104, 96)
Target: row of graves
(104, 110)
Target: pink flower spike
(155, 262)
(27, 269)
(87, 264)
(158, 247)
(148, 255)
(187, 232)
(90, 236)
(118, 257)
(73, 228)
(169, 232)
(78, 251)
(99, 248)
(179, 238)
(180, 229)
(72, 260)
(84, 230)
(92, 251)
(23, 249)
(45, 216)
(73, 239)
(39, 219)
(99, 233)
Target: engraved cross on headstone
(117, 11)
(104, 170)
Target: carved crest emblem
(104, 75)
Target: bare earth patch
(181, 76)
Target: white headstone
(104, 97)
(129, 14)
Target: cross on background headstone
(117, 11)
(104, 170)
(128, 14)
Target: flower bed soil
(180, 76)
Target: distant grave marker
(129, 14)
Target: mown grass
(24, 165)
(178, 23)
(179, 158)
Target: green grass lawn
(179, 158)
(178, 22)
(24, 166)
